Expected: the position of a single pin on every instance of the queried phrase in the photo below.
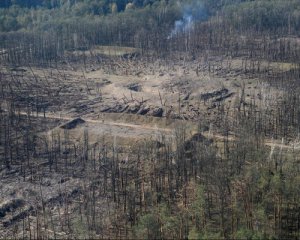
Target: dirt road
(102, 126)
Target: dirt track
(142, 130)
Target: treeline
(24, 15)
(256, 29)
(49, 4)
(55, 45)
(269, 16)
(259, 14)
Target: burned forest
(154, 119)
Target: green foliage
(160, 222)
(148, 227)
(198, 204)
(263, 15)
(244, 234)
(210, 235)
(193, 233)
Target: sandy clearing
(102, 127)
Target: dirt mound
(10, 205)
(131, 55)
(156, 112)
(143, 110)
(196, 138)
(133, 108)
(217, 95)
(73, 123)
(135, 87)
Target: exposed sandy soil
(124, 101)
(161, 89)
(137, 98)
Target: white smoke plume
(191, 13)
(181, 26)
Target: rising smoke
(192, 13)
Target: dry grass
(115, 50)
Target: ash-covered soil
(159, 89)
(115, 102)
(180, 89)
